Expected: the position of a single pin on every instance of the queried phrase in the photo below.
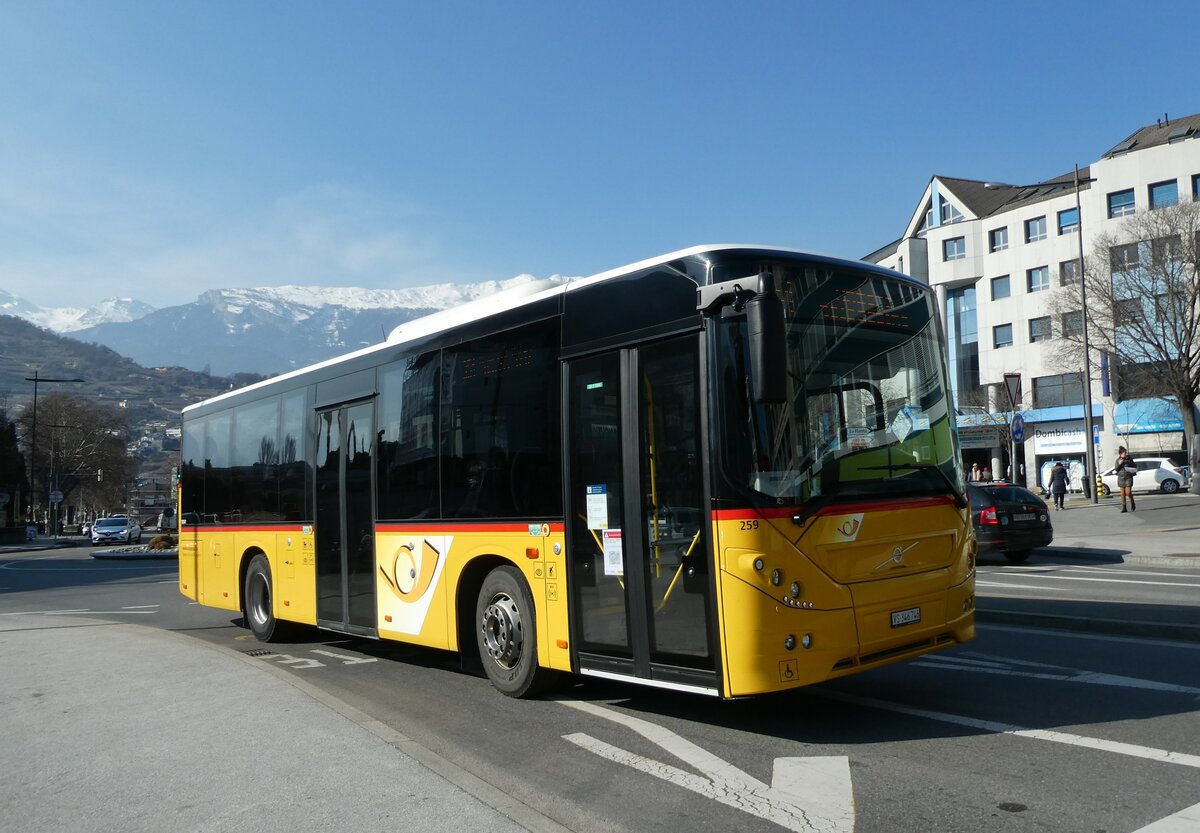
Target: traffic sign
(1012, 382)
(56, 496)
(1018, 428)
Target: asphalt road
(1023, 729)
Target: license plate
(906, 617)
(1024, 516)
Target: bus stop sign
(1018, 428)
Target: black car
(1009, 519)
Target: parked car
(1009, 519)
(119, 529)
(1155, 474)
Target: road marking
(295, 662)
(981, 583)
(1132, 750)
(1058, 673)
(137, 607)
(44, 612)
(345, 658)
(1185, 821)
(806, 794)
(1115, 581)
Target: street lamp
(37, 380)
(1089, 453)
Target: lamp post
(37, 380)
(1089, 452)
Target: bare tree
(76, 440)
(1143, 289)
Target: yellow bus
(728, 470)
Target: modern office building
(1004, 260)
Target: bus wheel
(256, 601)
(507, 635)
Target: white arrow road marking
(295, 662)
(1185, 821)
(806, 794)
(345, 658)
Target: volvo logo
(897, 556)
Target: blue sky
(159, 149)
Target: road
(1026, 728)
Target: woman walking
(1126, 469)
(1059, 480)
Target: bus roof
(523, 294)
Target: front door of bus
(639, 563)
(345, 540)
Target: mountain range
(265, 330)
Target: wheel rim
(258, 599)
(1169, 486)
(502, 632)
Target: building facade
(1005, 262)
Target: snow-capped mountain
(69, 319)
(275, 329)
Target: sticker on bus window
(597, 507)
(614, 558)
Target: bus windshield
(867, 413)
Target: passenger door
(639, 561)
(345, 519)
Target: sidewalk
(115, 727)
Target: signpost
(1012, 381)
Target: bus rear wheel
(507, 636)
(257, 601)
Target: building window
(1039, 329)
(1124, 258)
(954, 249)
(1002, 335)
(1120, 203)
(1128, 312)
(1056, 391)
(1163, 194)
(1072, 323)
(1196, 188)
(1166, 250)
(1000, 288)
(1037, 280)
(1068, 272)
(1035, 229)
(900, 265)
(1068, 221)
(950, 214)
(998, 239)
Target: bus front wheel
(507, 636)
(256, 601)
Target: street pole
(1089, 444)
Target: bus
(727, 470)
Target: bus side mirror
(768, 355)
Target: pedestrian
(1126, 469)
(1059, 480)
(974, 475)
(986, 474)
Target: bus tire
(257, 595)
(506, 634)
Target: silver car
(116, 530)
(1155, 474)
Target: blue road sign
(1018, 428)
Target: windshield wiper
(959, 499)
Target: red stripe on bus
(239, 528)
(895, 505)
(464, 528)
